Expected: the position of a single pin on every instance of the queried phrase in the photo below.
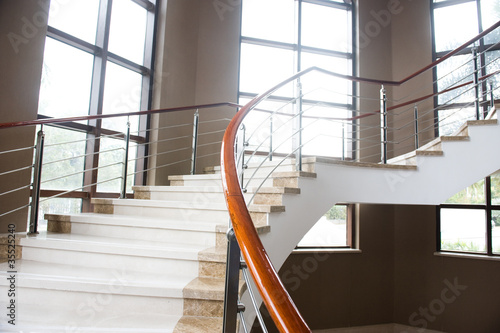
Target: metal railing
(275, 129)
(56, 175)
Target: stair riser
(205, 308)
(202, 213)
(150, 234)
(174, 267)
(201, 182)
(212, 269)
(90, 309)
(216, 197)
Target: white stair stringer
(431, 181)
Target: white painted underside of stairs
(435, 179)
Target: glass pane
(329, 231)
(319, 86)
(75, 17)
(474, 194)
(271, 20)
(495, 231)
(490, 14)
(63, 159)
(452, 72)
(450, 120)
(454, 25)
(258, 128)
(493, 65)
(325, 27)
(463, 230)
(263, 67)
(57, 206)
(66, 81)
(122, 93)
(322, 137)
(495, 188)
(127, 35)
(112, 152)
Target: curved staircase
(156, 263)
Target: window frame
(483, 103)
(93, 128)
(488, 208)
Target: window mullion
(489, 231)
(96, 101)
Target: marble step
(135, 228)
(206, 182)
(437, 144)
(209, 212)
(197, 324)
(179, 193)
(411, 158)
(55, 296)
(173, 259)
(273, 195)
(202, 211)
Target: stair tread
(205, 288)
(76, 242)
(90, 279)
(135, 221)
(46, 320)
(161, 203)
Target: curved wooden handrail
(114, 115)
(277, 300)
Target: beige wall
(22, 38)
(197, 61)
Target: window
(454, 23)
(469, 222)
(280, 38)
(97, 60)
(333, 230)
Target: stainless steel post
(415, 112)
(37, 173)
(298, 154)
(492, 96)
(123, 193)
(476, 83)
(383, 125)
(196, 121)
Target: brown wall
(23, 27)
(422, 280)
(197, 61)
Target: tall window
(282, 37)
(455, 22)
(467, 222)
(97, 60)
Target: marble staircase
(156, 263)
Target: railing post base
(231, 305)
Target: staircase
(156, 263)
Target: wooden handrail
(277, 300)
(114, 115)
